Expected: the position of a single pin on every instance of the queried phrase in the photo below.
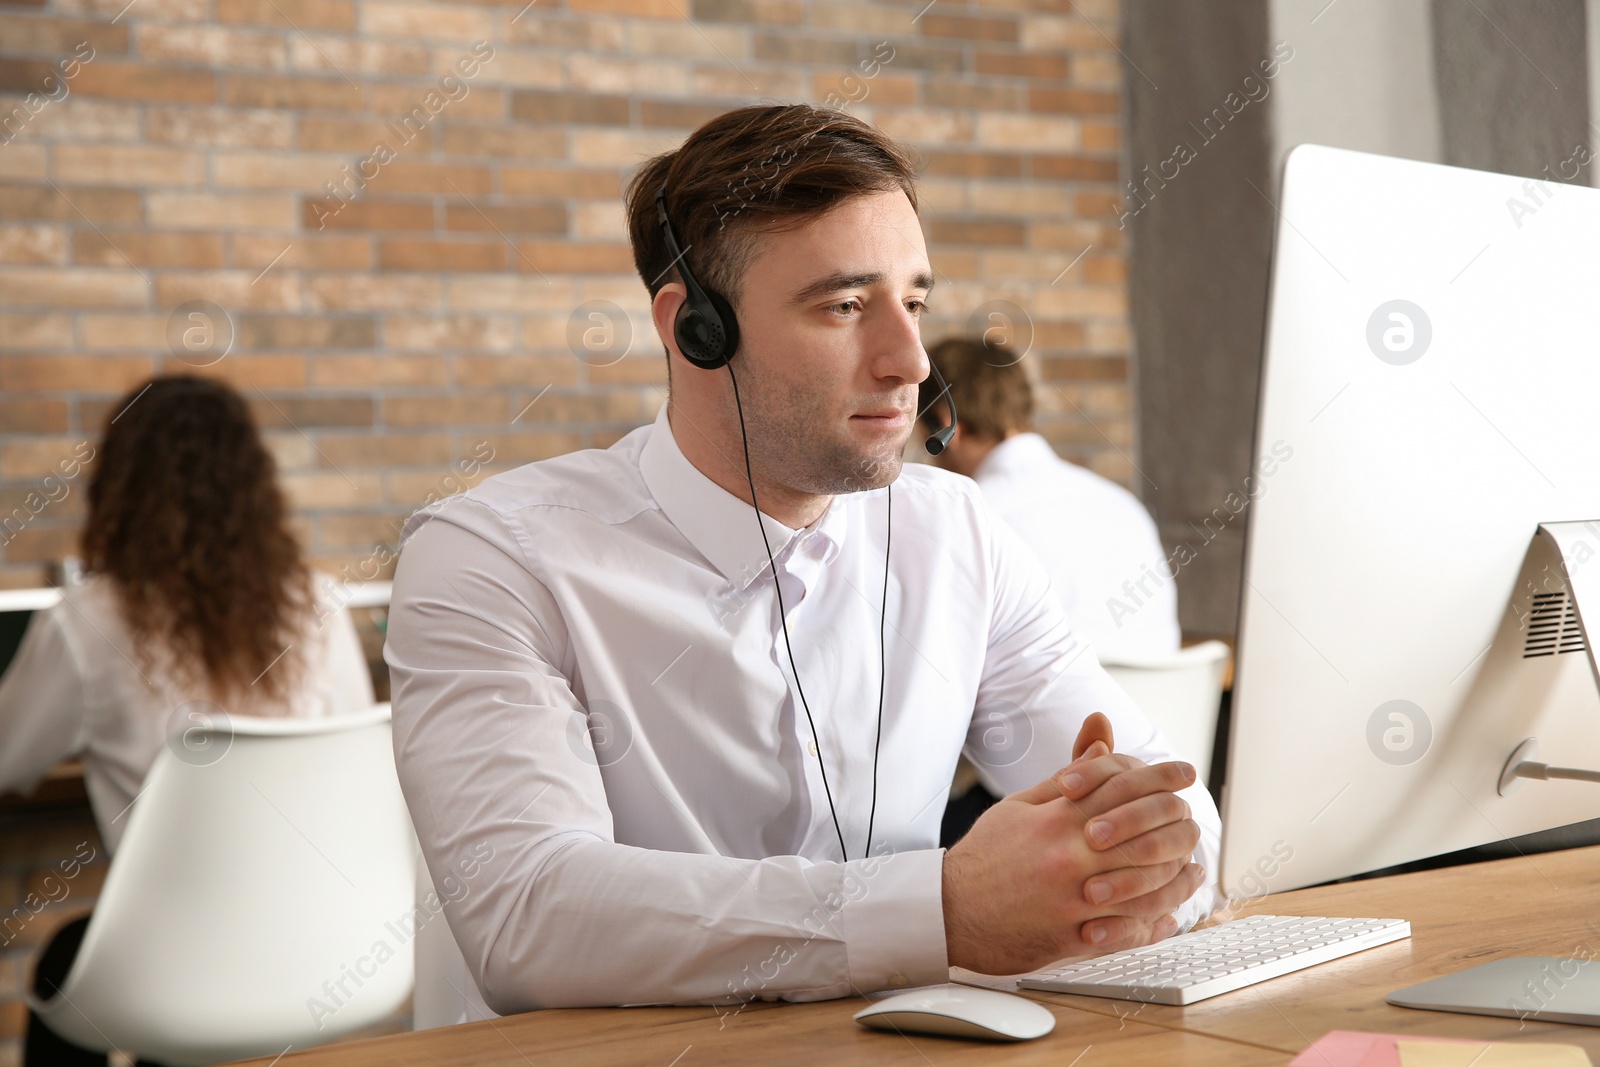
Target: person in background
(1095, 538)
(197, 600)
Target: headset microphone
(941, 440)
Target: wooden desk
(1461, 916)
(61, 785)
(816, 1033)
(1540, 905)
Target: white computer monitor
(1430, 396)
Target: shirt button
(811, 747)
(898, 981)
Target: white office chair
(261, 897)
(1181, 694)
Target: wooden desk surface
(815, 1033)
(61, 785)
(1541, 905)
(1531, 906)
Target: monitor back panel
(1430, 394)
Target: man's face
(830, 349)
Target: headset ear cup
(730, 325)
(707, 332)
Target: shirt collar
(720, 525)
(1019, 453)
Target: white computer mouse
(960, 1011)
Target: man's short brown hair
(750, 171)
(991, 389)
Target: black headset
(706, 329)
(708, 332)
(708, 336)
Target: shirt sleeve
(1040, 682)
(556, 912)
(42, 713)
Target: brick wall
(195, 184)
(393, 318)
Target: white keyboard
(1220, 959)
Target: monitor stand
(1557, 609)
(1554, 610)
(1548, 989)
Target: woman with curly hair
(196, 601)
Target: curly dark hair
(187, 521)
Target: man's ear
(664, 313)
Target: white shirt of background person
(1097, 542)
(74, 690)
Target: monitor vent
(1552, 626)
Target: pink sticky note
(1348, 1048)
(1353, 1048)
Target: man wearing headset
(700, 694)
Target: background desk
(1543, 905)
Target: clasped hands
(1093, 859)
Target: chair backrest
(261, 898)
(1181, 694)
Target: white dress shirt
(75, 688)
(1096, 541)
(589, 677)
